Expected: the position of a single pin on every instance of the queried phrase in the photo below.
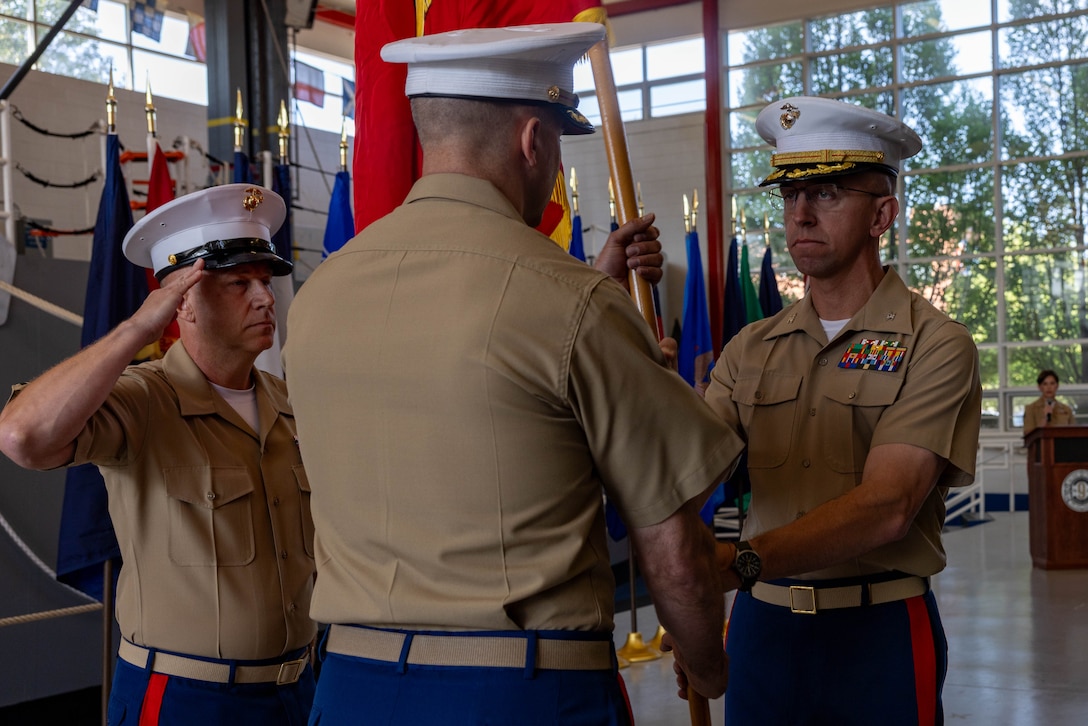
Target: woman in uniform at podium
(1046, 410)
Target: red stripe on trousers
(626, 699)
(149, 712)
(925, 660)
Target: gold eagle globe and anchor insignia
(789, 118)
(252, 199)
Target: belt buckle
(811, 594)
(290, 671)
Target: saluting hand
(161, 306)
(634, 246)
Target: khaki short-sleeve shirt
(212, 518)
(464, 389)
(898, 372)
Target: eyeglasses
(822, 197)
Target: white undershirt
(244, 402)
(832, 327)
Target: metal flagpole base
(655, 642)
(636, 651)
(623, 662)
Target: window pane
(934, 16)
(1045, 205)
(178, 78)
(668, 60)
(1017, 10)
(766, 83)
(1045, 297)
(109, 23)
(16, 8)
(987, 363)
(852, 71)
(776, 41)
(630, 106)
(842, 31)
(583, 76)
(962, 288)
(1053, 40)
(1042, 112)
(957, 55)
(749, 168)
(950, 213)
(742, 127)
(627, 66)
(13, 42)
(78, 56)
(677, 98)
(955, 121)
(1068, 361)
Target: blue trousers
(365, 692)
(877, 664)
(187, 702)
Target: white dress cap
(816, 137)
(530, 63)
(225, 226)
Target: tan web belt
(809, 600)
(470, 650)
(201, 670)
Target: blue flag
(341, 225)
(769, 297)
(281, 184)
(115, 289)
(734, 318)
(733, 315)
(241, 173)
(695, 357)
(577, 246)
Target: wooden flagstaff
(619, 166)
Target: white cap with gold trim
(528, 63)
(225, 226)
(818, 137)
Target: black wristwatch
(748, 565)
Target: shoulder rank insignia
(881, 355)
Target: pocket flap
(209, 488)
(766, 390)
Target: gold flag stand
(635, 649)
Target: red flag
(160, 190)
(387, 157)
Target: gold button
(823, 361)
(759, 395)
(806, 463)
(852, 395)
(812, 412)
(211, 495)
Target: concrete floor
(1018, 638)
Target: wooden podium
(1058, 496)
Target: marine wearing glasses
(821, 197)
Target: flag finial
(687, 214)
(574, 190)
(239, 122)
(344, 143)
(638, 195)
(111, 106)
(611, 200)
(282, 131)
(694, 206)
(149, 107)
(766, 231)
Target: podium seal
(1075, 490)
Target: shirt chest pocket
(211, 517)
(853, 412)
(767, 405)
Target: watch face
(748, 564)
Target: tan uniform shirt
(810, 421)
(211, 517)
(1035, 415)
(463, 389)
